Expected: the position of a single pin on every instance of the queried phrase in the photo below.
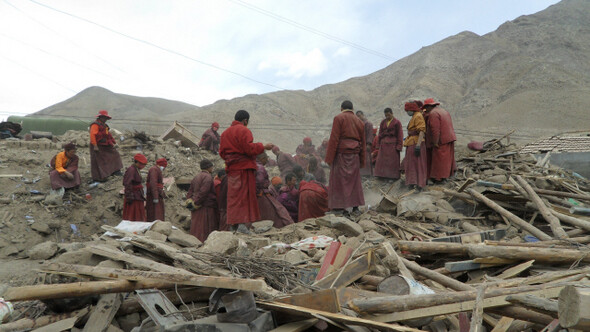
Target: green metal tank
(55, 125)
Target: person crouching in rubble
(105, 160)
(289, 196)
(270, 208)
(210, 139)
(415, 163)
(64, 169)
(154, 204)
(133, 203)
(202, 202)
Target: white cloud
(297, 64)
(342, 51)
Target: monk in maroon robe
(134, 201)
(313, 200)
(239, 152)
(221, 192)
(210, 139)
(440, 141)
(154, 204)
(289, 196)
(415, 161)
(64, 169)
(367, 170)
(391, 140)
(270, 208)
(285, 161)
(204, 214)
(104, 157)
(321, 150)
(316, 170)
(305, 152)
(345, 155)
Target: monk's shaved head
(346, 105)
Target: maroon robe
(303, 153)
(322, 149)
(210, 141)
(319, 174)
(270, 208)
(286, 163)
(104, 162)
(204, 220)
(289, 198)
(155, 190)
(134, 201)
(313, 200)
(57, 181)
(221, 192)
(440, 142)
(345, 155)
(239, 152)
(391, 140)
(369, 136)
(415, 167)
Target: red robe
(204, 220)
(322, 149)
(369, 136)
(105, 161)
(270, 208)
(239, 152)
(303, 153)
(345, 155)
(440, 131)
(210, 141)
(155, 190)
(391, 140)
(221, 192)
(286, 163)
(59, 182)
(313, 200)
(133, 203)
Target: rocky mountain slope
(531, 74)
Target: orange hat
(140, 158)
(430, 102)
(162, 162)
(412, 107)
(215, 125)
(276, 180)
(103, 113)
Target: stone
(128, 322)
(220, 243)
(346, 226)
(41, 227)
(497, 179)
(368, 225)
(295, 257)
(181, 238)
(9, 251)
(342, 239)
(259, 242)
(374, 237)
(319, 256)
(156, 236)
(43, 250)
(81, 257)
(262, 226)
(162, 227)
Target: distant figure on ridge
(391, 140)
(210, 139)
(440, 141)
(154, 204)
(104, 157)
(64, 169)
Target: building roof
(559, 144)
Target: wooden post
(510, 216)
(534, 303)
(440, 278)
(545, 255)
(581, 223)
(433, 247)
(549, 217)
(477, 316)
(574, 304)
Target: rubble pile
(501, 247)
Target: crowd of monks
(242, 193)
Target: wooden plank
(11, 175)
(328, 259)
(452, 308)
(468, 265)
(403, 270)
(104, 312)
(299, 326)
(326, 300)
(62, 325)
(515, 270)
(353, 271)
(335, 317)
(503, 325)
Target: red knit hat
(412, 107)
(215, 125)
(307, 140)
(140, 158)
(103, 113)
(430, 102)
(162, 162)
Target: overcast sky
(202, 51)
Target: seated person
(64, 169)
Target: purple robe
(270, 208)
(289, 197)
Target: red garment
(222, 204)
(391, 140)
(57, 181)
(319, 174)
(270, 208)
(322, 149)
(440, 131)
(313, 200)
(104, 162)
(303, 153)
(204, 220)
(369, 136)
(133, 203)
(345, 155)
(375, 150)
(442, 161)
(237, 148)
(210, 141)
(416, 168)
(155, 190)
(286, 163)
(103, 136)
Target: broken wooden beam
(534, 303)
(104, 312)
(573, 308)
(435, 276)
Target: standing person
(305, 152)
(64, 169)
(322, 149)
(210, 139)
(204, 214)
(313, 200)
(239, 152)
(133, 203)
(415, 160)
(285, 161)
(440, 141)
(270, 208)
(345, 155)
(289, 196)
(104, 157)
(367, 170)
(154, 204)
(391, 139)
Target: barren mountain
(531, 74)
